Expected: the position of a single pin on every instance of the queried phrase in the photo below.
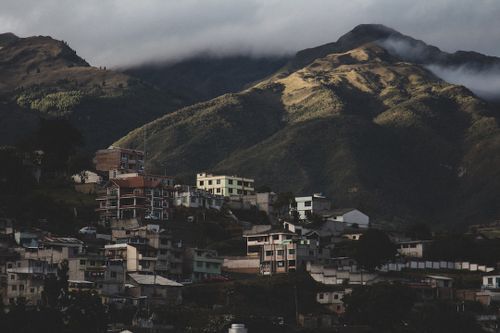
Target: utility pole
(296, 305)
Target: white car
(88, 230)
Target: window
(291, 263)
(250, 184)
(245, 184)
(82, 262)
(240, 191)
(307, 203)
(230, 190)
(281, 252)
(9, 265)
(240, 183)
(321, 296)
(218, 181)
(209, 182)
(202, 182)
(291, 251)
(12, 277)
(230, 181)
(18, 264)
(92, 263)
(32, 290)
(218, 190)
(245, 192)
(14, 288)
(335, 296)
(21, 287)
(281, 263)
(276, 237)
(269, 253)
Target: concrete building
(202, 264)
(124, 253)
(115, 161)
(192, 197)
(415, 249)
(491, 280)
(333, 299)
(256, 240)
(350, 216)
(87, 267)
(312, 204)
(23, 279)
(225, 185)
(138, 197)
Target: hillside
(353, 120)
(43, 77)
(205, 76)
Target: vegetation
(373, 249)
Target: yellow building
(225, 185)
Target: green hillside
(362, 126)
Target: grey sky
(124, 32)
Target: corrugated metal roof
(152, 280)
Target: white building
(415, 249)
(225, 185)
(349, 216)
(192, 197)
(491, 280)
(312, 204)
(333, 299)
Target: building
(115, 161)
(225, 185)
(256, 240)
(157, 289)
(333, 299)
(168, 258)
(24, 279)
(491, 280)
(312, 204)
(350, 216)
(87, 267)
(139, 198)
(125, 254)
(414, 249)
(202, 264)
(192, 197)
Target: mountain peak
(6, 38)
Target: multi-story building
(125, 254)
(202, 264)
(115, 161)
(23, 279)
(139, 197)
(225, 185)
(168, 258)
(256, 240)
(311, 204)
(192, 197)
(87, 267)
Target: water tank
(238, 328)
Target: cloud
(484, 83)
(125, 32)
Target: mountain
(43, 77)
(352, 119)
(205, 76)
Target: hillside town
(157, 250)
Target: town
(225, 253)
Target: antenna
(145, 138)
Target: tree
(283, 202)
(419, 231)
(59, 140)
(373, 249)
(382, 306)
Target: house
(55, 249)
(202, 264)
(263, 202)
(192, 197)
(256, 240)
(158, 290)
(225, 185)
(87, 267)
(312, 204)
(350, 216)
(491, 280)
(353, 235)
(143, 197)
(115, 161)
(414, 249)
(333, 299)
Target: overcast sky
(125, 32)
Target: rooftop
(145, 279)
